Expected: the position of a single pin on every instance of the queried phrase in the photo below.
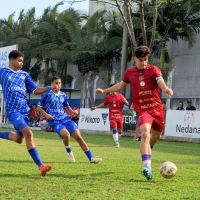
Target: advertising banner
(129, 121)
(182, 124)
(97, 120)
(4, 62)
(4, 52)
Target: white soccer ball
(168, 169)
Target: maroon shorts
(154, 118)
(118, 124)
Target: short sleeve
(66, 101)
(126, 77)
(106, 100)
(157, 73)
(41, 102)
(30, 84)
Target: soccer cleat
(71, 157)
(117, 145)
(44, 169)
(147, 173)
(95, 160)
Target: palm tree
(176, 19)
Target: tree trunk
(124, 47)
(155, 15)
(143, 26)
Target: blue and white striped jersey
(15, 85)
(54, 104)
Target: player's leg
(157, 127)
(155, 136)
(22, 128)
(137, 130)
(33, 151)
(146, 150)
(145, 123)
(119, 129)
(65, 135)
(137, 134)
(115, 133)
(72, 127)
(9, 135)
(77, 136)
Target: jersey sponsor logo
(56, 110)
(89, 119)
(143, 93)
(104, 117)
(16, 88)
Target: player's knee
(79, 139)
(18, 139)
(28, 134)
(145, 135)
(65, 136)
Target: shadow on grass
(16, 161)
(54, 175)
(25, 176)
(141, 181)
(99, 174)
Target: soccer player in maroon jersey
(115, 102)
(146, 81)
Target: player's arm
(41, 90)
(164, 87)
(71, 112)
(98, 106)
(44, 113)
(125, 101)
(115, 88)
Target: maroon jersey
(115, 104)
(145, 89)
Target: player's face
(56, 85)
(141, 63)
(17, 63)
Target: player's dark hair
(142, 51)
(55, 78)
(15, 54)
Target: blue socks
(88, 154)
(68, 149)
(4, 135)
(114, 130)
(35, 156)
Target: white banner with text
(182, 123)
(97, 120)
(4, 52)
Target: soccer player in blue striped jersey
(52, 105)
(15, 85)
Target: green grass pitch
(117, 177)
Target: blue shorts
(19, 121)
(57, 126)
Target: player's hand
(92, 108)
(169, 91)
(75, 114)
(99, 91)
